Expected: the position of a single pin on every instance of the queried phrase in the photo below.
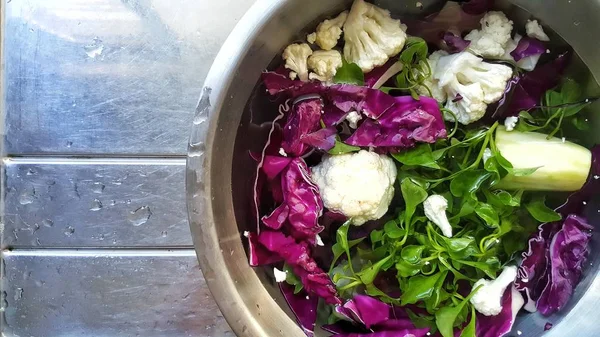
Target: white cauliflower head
(296, 59)
(491, 39)
(324, 64)
(470, 84)
(371, 36)
(488, 299)
(435, 210)
(432, 83)
(328, 32)
(534, 30)
(353, 118)
(359, 185)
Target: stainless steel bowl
(230, 120)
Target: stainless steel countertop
(97, 102)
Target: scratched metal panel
(108, 294)
(108, 76)
(95, 203)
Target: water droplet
(140, 216)
(203, 107)
(128, 201)
(69, 144)
(30, 172)
(47, 223)
(40, 283)
(94, 49)
(96, 205)
(101, 237)
(112, 202)
(164, 234)
(28, 196)
(98, 188)
(69, 231)
(18, 294)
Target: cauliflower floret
(353, 118)
(435, 210)
(371, 36)
(432, 83)
(296, 58)
(280, 275)
(488, 299)
(470, 84)
(328, 32)
(491, 40)
(511, 122)
(535, 30)
(359, 185)
(324, 64)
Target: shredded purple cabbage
(303, 120)
(547, 276)
(298, 255)
(371, 317)
(524, 92)
(568, 252)
(527, 47)
(501, 324)
(303, 306)
(454, 43)
(476, 7)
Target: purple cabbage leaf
(501, 324)
(552, 265)
(303, 120)
(303, 306)
(527, 47)
(298, 255)
(525, 91)
(454, 43)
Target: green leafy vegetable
(349, 73)
(341, 148)
(542, 213)
(446, 317)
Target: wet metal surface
(98, 98)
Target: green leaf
(292, 279)
(542, 213)
(469, 330)
(392, 230)
(490, 267)
(368, 275)
(422, 287)
(468, 181)
(488, 214)
(341, 148)
(349, 73)
(406, 269)
(341, 245)
(445, 318)
(421, 155)
(580, 123)
(415, 49)
(413, 195)
(412, 254)
(421, 321)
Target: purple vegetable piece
(527, 47)
(257, 254)
(371, 102)
(276, 219)
(403, 124)
(323, 139)
(303, 199)
(277, 83)
(369, 313)
(374, 75)
(297, 255)
(332, 115)
(274, 165)
(501, 324)
(452, 18)
(304, 119)
(569, 250)
(455, 43)
(476, 7)
(367, 310)
(525, 91)
(304, 307)
(548, 326)
(534, 271)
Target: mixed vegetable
(409, 183)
